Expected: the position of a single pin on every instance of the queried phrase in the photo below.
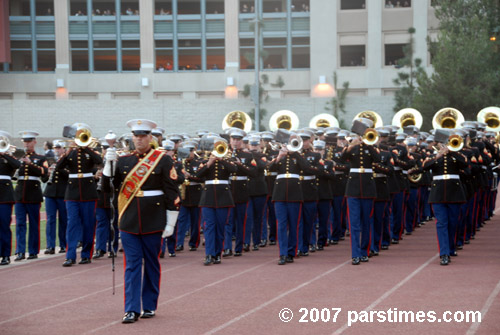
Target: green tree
(407, 79)
(336, 105)
(466, 63)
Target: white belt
(216, 182)
(288, 175)
(484, 167)
(397, 168)
(379, 175)
(446, 176)
(362, 170)
(239, 178)
(29, 178)
(193, 183)
(405, 171)
(81, 175)
(5, 177)
(151, 193)
(307, 177)
(339, 172)
(271, 174)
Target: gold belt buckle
(287, 175)
(446, 176)
(80, 175)
(216, 181)
(361, 170)
(140, 194)
(301, 177)
(26, 177)
(187, 182)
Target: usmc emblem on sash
(141, 171)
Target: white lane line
(475, 325)
(391, 291)
(186, 294)
(78, 298)
(244, 315)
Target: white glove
(111, 156)
(171, 221)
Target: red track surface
(245, 295)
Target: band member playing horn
(145, 179)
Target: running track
(244, 295)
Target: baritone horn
(284, 119)
(407, 117)
(490, 116)
(371, 115)
(455, 143)
(370, 137)
(447, 118)
(237, 119)
(221, 149)
(323, 120)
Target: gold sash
(136, 178)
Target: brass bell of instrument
(284, 119)
(237, 119)
(371, 115)
(221, 149)
(490, 116)
(447, 118)
(295, 143)
(455, 143)
(370, 137)
(407, 117)
(5, 145)
(83, 136)
(323, 120)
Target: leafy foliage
(336, 105)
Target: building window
(247, 53)
(164, 55)
(188, 7)
(19, 7)
(215, 54)
(78, 7)
(46, 55)
(274, 56)
(131, 55)
(397, 3)
(352, 55)
(130, 7)
(393, 53)
(104, 55)
(214, 6)
(247, 6)
(352, 4)
(79, 56)
(190, 54)
(163, 7)
(44, 8)
(273, 6)
(300, 6)
(301, 57)
(21, 56)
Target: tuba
(237, 119)
(371, 115)
(284, 119)
(407, 117)
(323, 120)
(447, 118)
(370, 137)
(490, 116)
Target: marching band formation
(302, 189)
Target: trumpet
(370, 137)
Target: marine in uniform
(8, 166)
(28, 194)
(269, 223)
(54, 203)
(145, 179)
(81, 195)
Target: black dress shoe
(373, 253)
(334, 242)
(304, 254)
(394, 241)
(364, 259)
(289, 259)
(179, 248)
(356, 260)
(111, 254)
(217, 259)
(20, 256)
(79, 245)
(272, 242)
(445, 260)
(5, 261)
(467, 242)
(263, 244)
(162, 254)
(49, 251)
(227, 253)
(192, 248)
(237, 253)
(320, 248)
(32, 256)
(147, 314)
(62, 250)
(460, 247)
(282, 260)
(68, 262)
(246, 247)
(408, 233)
(172, 254)
(208, 260)
(342, 238)
(312, 248)
(454, 254)
(130, 317)
(255, 248)
(384, 247)
(85, 260)
(99, 254)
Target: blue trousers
(5, 233)
(379, 208)
(360, 221)
(269, 221)
(256, 207)
(56, 210)
(103, 231)
(309, 213)
(336, 230)
(191, 217)
(33, 212)
(397, 215)
(446, 226)
(386, 224)
(215, 221)
(424, 205)
(183, 225)
(139, 283)
(81, 225)
(288, 219)
(237, 221)
(411, 210)
(469, 229)
(324, 210)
